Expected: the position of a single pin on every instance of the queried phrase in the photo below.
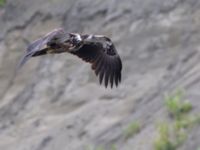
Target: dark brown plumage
(95, 49)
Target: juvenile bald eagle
(95, 49)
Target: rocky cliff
(55, 101)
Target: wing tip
(109, 73)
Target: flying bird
(98, 50)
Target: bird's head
(98, 39)
(75, 41)
(71, 41)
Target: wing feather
(98, 67)
(102, 71)
(106, 63)
(112, 76)
(108, 71)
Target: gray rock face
(55, 102)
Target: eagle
(98, 50)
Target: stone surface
(55, 102)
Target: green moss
(132, 129)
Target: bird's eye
(75, 41)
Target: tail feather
(24, 60)
(29, 55)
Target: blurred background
(56, 103)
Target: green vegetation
(132, 129)
(171, 135)
(163, 141)
(2, 3)
(113, 147)
(176, 107)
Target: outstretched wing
(105, 61)
(39, 47)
